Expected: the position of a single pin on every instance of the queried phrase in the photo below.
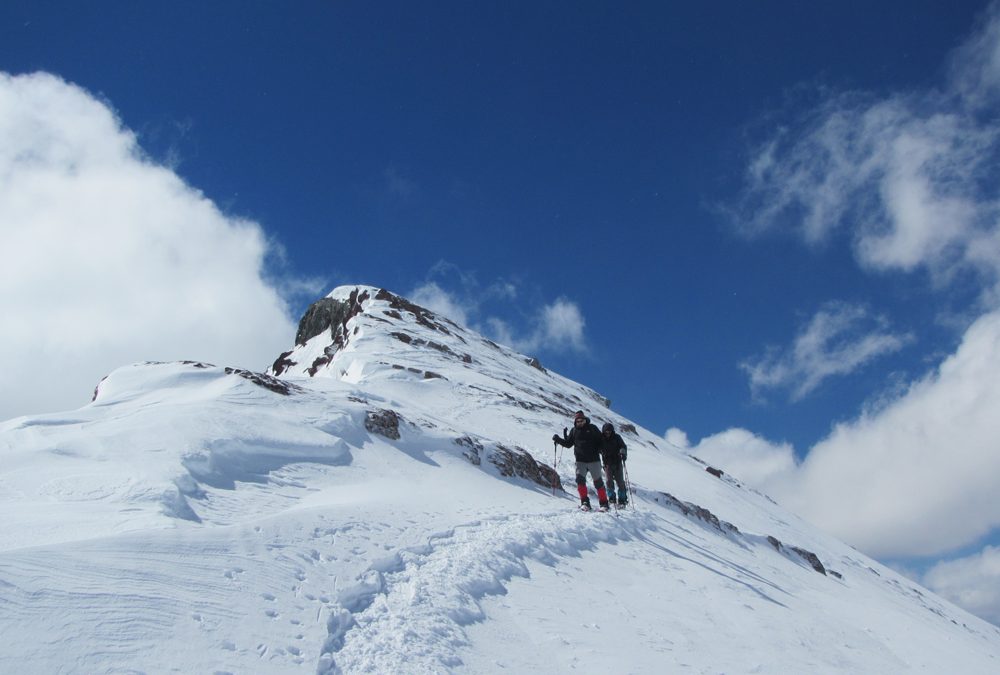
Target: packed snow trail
(409, 611)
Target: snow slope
(379, 502)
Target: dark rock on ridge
(473, 449)
(383, 422)
(511, 462)
(271, 383)
(328, 313)
(519, 462)
(700, 513)
(811, 558)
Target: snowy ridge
(387, 499)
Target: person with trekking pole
(614, 453)
(585, 439)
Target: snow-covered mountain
(383, 499)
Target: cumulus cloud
(438, 300)
(677, 438)
(747, 456)
(839, 339)
(561, 326)
(919, 477)
(556, 326)
(110, 258)
(916, 478)
(909, 179)
(972, 582)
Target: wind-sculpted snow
(393, 502)
(408, 611)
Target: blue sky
(575, 149)
(643, 195)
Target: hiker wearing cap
(614, 452)
(585, 439)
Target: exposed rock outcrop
(694, 511)
(383, 422)
(266, 381)
(511, 462)
(519, 462)
(423, 316)
(535, 363)
(808, 556)
(328, 314)
(701, 513)
(473, 449)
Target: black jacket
(613, 449)
(585, 441)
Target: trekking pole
(628, 484)
(555, 467)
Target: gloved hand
(555, 437)
(624, 457)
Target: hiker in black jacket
(585, 439)
(613, 453)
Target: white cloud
(975, 66)
(972, 582)
(562, 326)
(110, 258)
(438, 300)
(910, 175)
(554, 327)
(677, 438)
(750, 458)
(839, 339)
(500, 331)
(910, 180)
(919, 477)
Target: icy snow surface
(195, 519)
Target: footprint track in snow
(407, 611)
